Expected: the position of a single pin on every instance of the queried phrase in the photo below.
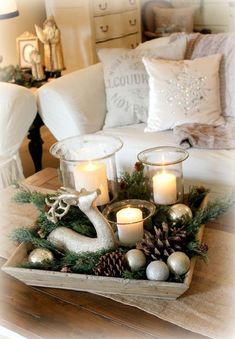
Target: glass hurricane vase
(163, 169)
(88, 162)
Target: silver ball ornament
(178, 263)
(135, 259)
(180, 213)
(38, 255)
(157, 270)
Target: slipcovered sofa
(75, 104)
(17, 111)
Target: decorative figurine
(49, 35)
(37, 69)
(65, 238)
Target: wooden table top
(36, 312)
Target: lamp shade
(8, 9)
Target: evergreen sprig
(52, 265)
(30, 235)
(141, 274)
(134, 185)
(213, 210)
(87, 261)
(25, 196)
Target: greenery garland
(131, 186)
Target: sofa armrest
(74, 104)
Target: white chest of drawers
(87, 25)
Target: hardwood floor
(47, 159)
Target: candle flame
(90, 166)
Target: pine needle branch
(210, 212)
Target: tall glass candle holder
(128, 218)
(88, 162)
(163, 169)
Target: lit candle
(164, 188)
(133, 230)
(92, 175)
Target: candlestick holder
(163, 170)
(128, 219)
(88, 162)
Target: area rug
(208, 307)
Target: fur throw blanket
(206, 136)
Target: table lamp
(8, 9)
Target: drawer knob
(103, 6)
(132, 22)
(132, 2)
(104, 29)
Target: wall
(31, 12)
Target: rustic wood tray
(95, 284)
(98, 284)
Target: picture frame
(25, 43)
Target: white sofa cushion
(169, 20)
(126, 81)
(220, 43)
(75, 103)
(17, 111)
(183, 92)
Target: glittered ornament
(180, 213)
(135, 259)
(157, 270)
(178, 263)
(39, 255)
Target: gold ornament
(39, 255)
(135, 259)
(178, 263)
(180, 213)
(157, 270)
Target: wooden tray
(98, 284)
(95, 284)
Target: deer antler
(60, 203)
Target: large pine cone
(111, 264)
(163, 242)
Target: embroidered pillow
(182, 92)
(126, 80)
(169, 20)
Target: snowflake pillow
(186, 91)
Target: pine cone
(163, 242)
(111, 264)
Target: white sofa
(17, 111)
(75, 104)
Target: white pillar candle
(133, 230)
(164, 188)
(92, 175)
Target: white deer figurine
(65, 238)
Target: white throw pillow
(170, 20)
(182, 92)
(126, 80)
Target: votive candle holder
(164, 173)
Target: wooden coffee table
(36, 312)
